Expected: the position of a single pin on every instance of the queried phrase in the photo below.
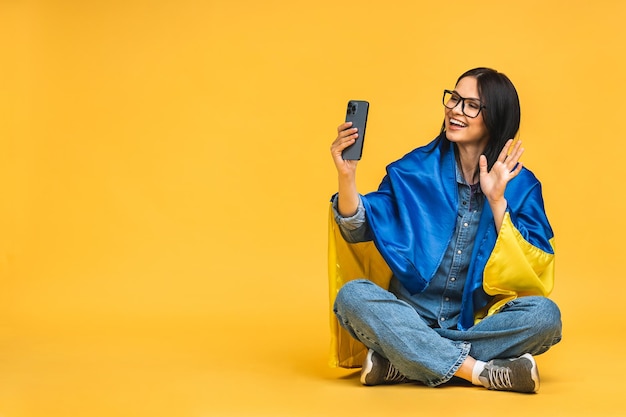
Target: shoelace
(393, 375)
(500, 377)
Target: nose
(458, 108)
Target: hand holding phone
(357, 114)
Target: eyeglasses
(470, 107)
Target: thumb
(482, 164)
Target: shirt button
(447, 298)
(443, 319)
(453, 279)
(459, 252)
(465, 224)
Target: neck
(470, 174)
(468, 162)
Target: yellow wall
(169, 159)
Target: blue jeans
(391, 327)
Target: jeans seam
(364, 336)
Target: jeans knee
(547, 318)
(351, 295)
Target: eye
(455, 98)
(473, 104)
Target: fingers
(507, 152)
(510, 157)
(346, 135)
(517, 150)
(512, 160)
(345, 130)
(343, 126)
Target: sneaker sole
(367, 366)
(534, 372)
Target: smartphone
(357, 114)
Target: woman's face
(461, 129)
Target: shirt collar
(461, 180)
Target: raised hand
(494, 182)
(507, 166)
(346, 136)
(348, 196)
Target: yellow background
(165, 177)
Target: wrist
(349, 175)
(498, 205)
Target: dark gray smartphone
(357, 114)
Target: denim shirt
(439, 305)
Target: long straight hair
(502, 109)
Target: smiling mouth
(457, 123)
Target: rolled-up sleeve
(354, 229)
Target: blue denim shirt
(439, 304)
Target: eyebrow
(468, 98)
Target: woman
(462, 226)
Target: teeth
(458, 123)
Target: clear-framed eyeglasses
(470, 107)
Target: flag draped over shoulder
(413, 215)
